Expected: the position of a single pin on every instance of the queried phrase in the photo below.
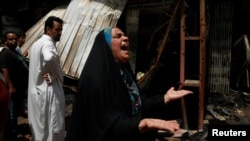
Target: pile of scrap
(229, 108)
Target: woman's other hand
(149, 124)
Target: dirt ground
(231, 109)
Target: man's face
(55, 32)
(21, 41)
(11, 40)
(120, 46)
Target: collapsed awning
(83, 20)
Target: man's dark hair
(50, 20)
(21, 34)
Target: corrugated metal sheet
(220, 44)
(83, 20)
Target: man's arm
(9, 83)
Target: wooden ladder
(184, 82)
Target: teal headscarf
(108, 35)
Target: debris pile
(231, 108)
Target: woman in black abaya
(108, 106)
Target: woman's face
(120, 46)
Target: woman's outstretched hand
(172, 94)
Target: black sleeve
(153, 106)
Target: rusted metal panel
(83, 20)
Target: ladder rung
(192, 38)
(192, 83)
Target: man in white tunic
(46, 101)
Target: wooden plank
(202, 64)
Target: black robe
(102, 109)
